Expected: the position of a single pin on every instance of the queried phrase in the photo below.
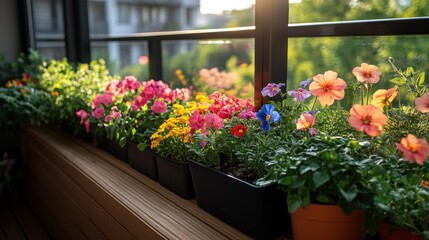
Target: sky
(217, 6)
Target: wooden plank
(62, 203)
(134, 201)
(2, 236)
(30, 225)
(89, 207)
(10, 226)
(49, 220)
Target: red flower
(238, 130)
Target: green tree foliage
(310, 56)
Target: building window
(189, 16)
(124, 13)
(145, 15)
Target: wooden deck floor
(17, 221)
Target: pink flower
(131, 83)
(422, 103)
(98, 113)
(113, 88)
(414, 149)
(87, 126)
(247, 114)
(104, 99)
(138, 102)
(159, 107)
(196, 122)
(305, 121)
(168, 95)
(148, 93)
(369, 119)
(366, 73)
(327, 87)
(182, 93)
(213, 121)
(226, 112)
(82, 115)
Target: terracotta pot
(327, 222)
(386, 233)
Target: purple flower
(272, 89)
(299, 94)
(306, 82)
(247, 114)
(312, 131)
(267, 115)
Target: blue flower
(306, 82)
(267, 115)
(272, 89)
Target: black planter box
(260, 212)
(144, 162)
(175, 176)
(117, 151)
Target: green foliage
(75, 85)
(323, 169)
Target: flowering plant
(222, 132)
(329, 155)
(171, 137)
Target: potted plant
(324, 167)
(229, 151)
(401, 184)
(148, 111)
(169, 142)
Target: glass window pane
(49, 27)
(311, 56)
(304, 11)
(210, 65)
(126, 58)
(125, 17)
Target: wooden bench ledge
(89, 191)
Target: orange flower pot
(327, 222)
(386, 234)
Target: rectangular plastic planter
(260, 212)
(117, 151)
(175, 176)
(143, 161)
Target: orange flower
(367, 73)
(422, 103)
(305, 121)
(368, 119)
(383, 97)
(414, 149)
(327, 87)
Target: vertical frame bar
(271, 41)
(76, 30)
(26, 24)
(155, 59)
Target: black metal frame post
(155, 59)
(271, 41)
(76, 30)
(26, 25)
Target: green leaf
(421, 79)
(122, 142)
(323, 198)
(349, 194)
(142, 146)
(286, 181)
(320, 178)
(293, 203)
(398, 81)
(409, 71)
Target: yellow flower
(55, 93)
(178, 72)
(9, 84)
(383, 97)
